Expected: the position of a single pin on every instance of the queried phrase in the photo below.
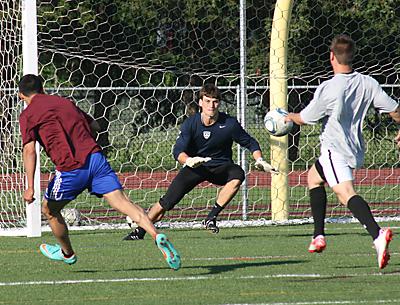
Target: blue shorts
(96, 175)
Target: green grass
(242, 265)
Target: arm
(182, 142)
(29, 158)
(315, 110)
(257, 154)
(383, 103)
(245, 140)
(295, 118)
(263, 165)
(181, 147)
(397, 139)
(396, 115)
(94, 126)
(182, 157)
(192, 162)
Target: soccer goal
(136, 67)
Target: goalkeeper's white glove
(262, 165)
(194, 162)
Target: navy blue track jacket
(215, 141)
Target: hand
(295, 118)
(265, 166)
(288, 118)
(196, 161)
(28, 195)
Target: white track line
(151, 279)
(187, 278)
(251, 258)
(396, 301)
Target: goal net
(12, 208)
(136, 67)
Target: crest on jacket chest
(206, 134)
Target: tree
(121, 43)
(8, 70)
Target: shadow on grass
(240, 237)
(217, 269)
(384, 271)
(212, 269)
(283, 235)
(327, 235)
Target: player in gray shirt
(342, 103)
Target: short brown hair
(210, 90)
(344, 48)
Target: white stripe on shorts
(56, 187)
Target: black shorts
(188, 178)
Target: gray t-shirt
(342, 103)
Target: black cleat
(134, 235)
(211, 224)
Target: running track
(162, 179)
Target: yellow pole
(278, 98)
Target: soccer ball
(72, 217)
(274, 122)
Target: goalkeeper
(65, 132)
(204, 148)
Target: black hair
(210, 90)
(30, 84)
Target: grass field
(264, 265)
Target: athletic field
(263, 265)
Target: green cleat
(55, 253)
(167, 249)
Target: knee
(344, 195)
(344, 191)
(344, 198)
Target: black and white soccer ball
(274, 122)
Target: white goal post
(27, 28)
(30, 66)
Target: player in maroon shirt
(65, 133)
